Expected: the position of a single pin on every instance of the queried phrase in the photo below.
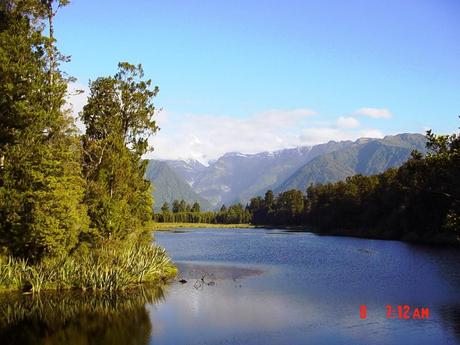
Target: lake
(261, 286)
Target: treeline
(420, 201)
(62, 193)
(182, 212)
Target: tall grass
(109, 268)
(12, 272)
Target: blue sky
(262, 75)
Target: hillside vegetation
(168, 186)
(236, 177)
(419, 201)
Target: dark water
(254, 286)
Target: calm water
(255, 286)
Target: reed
(109, 267)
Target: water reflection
(309, 291)
(451, 317)
(78, 318)
(258, 287)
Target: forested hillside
(365, 156)
(168, 186)
(236, 177)
(419, 201)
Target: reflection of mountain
(73, 318)
(238, 177)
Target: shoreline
(172, 226)
(441, 240)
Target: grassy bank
(109, 267)
(170, 226)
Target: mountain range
(168, 186)
(236, 177)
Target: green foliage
(366, 157)
(286, 208)
(12, 272)
(165, 208)
(176, 206)
(119, 120)
(195, 207)
(418, 201)
(184, 213)
(73, 211)
(41, 187)
(170, 186)
(113, 266)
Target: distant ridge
(236, 177)
(168, 186)
(367, 157)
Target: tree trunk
(51, 36)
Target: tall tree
(119, 121)
(182, 206)
(196, 207)
(176, 206)
(41, 185)
(165, 208)
(269, 198)
(50, 8)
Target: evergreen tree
(196, 207)
(269, 198)
(165, 207)
(41, 187)
(419, 201)
(182, 206)
(176, 206)
(119, 120)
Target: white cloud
(347, 122)
(371, 133)
(318, 135)
(76, 99)
(375, 113)
(207, 137)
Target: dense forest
(182, 212)
(420, 201)
(74, 208)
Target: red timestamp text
(406, 312)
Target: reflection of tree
(77, 318)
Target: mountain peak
(364, 140)
(236, 176)
(234, 154)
